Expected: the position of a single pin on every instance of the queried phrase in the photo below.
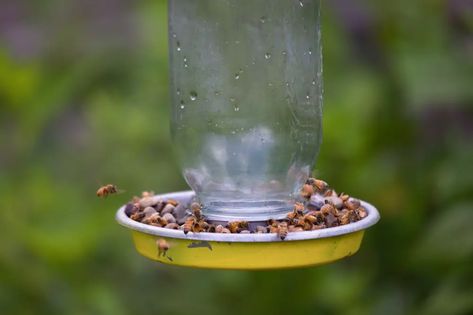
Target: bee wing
(120, 191)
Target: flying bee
(106, 190)
(163, 247)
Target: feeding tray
(246, 251)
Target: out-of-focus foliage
(84, 101)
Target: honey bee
(310, 181)
(328, 209)
(320, 185)
(292, 215)
(197, 227)
(299, 208)
(163, 247)
(204, 225)
(237, 226)
(137, 216)
(282, 230)
(352, 204)
(307, 191)
(196, 209)
(361, 212)
(310, 218)
(106, 190)
(187, 226)
(343, 196)
(173, 226)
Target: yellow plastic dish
(246, 251)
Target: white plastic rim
(185, 197)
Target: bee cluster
(321, 208)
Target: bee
(310, 181)
(343, 196)
(106, 190)
(299, 208)
(163, 247)
(173, 226)
(237, 226)
(187, 226)
(173, 202)
(204, 225)
(361, 212)
(328, 209)
(352, 204)
(137, 216)
(292, 215)
(307, 191)
(282, 230)
(196, 209)
(310, 218)
(196, 227)
(320, 185)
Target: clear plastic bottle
(246, 84)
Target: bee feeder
(246, 251)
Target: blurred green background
(84, 101)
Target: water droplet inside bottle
(310, 52)
(267, 55)
(284, 53)
(193, 95)
(178, 46)
(182, 105)
(174, 35)
(237, 76)
(178, 92)
(313, 82)
(262, 19)
(307, 97)
(301, 3)
(217, 93)
(236, 108)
